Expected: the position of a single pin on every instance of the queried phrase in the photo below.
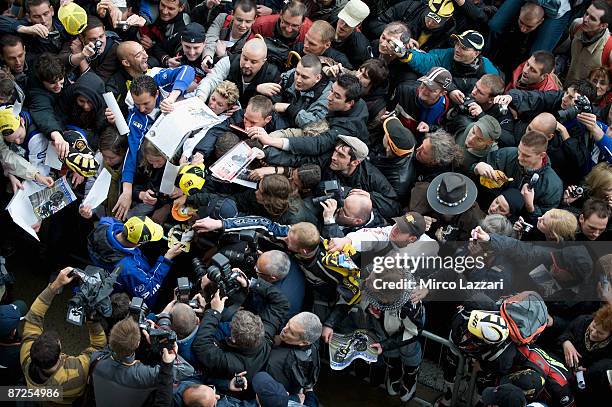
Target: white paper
(99, 190)
(52, 159)
(122, 126)
(170, 173)
(170, 130)
(21, 210)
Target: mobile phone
(240, 129)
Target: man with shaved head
(249, 70)
(563, 150)
(133, 60)
(356, 213)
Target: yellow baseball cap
(141, 229)
(73, 18)
(9, 123)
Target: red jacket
(547, 84)
(264, 25)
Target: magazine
(344, 349)
(544, 280)
(233, 165)
(49, 201)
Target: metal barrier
(461, 373)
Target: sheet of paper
(99, 190)
(52, 159)
(120, 123)
(170, 130)
(21, 210)
(170, 173)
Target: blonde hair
(229, 91)
(306, 234)
(563, 225)
(599, 179)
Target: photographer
(113, 244)
(182, 319)
(478, 103)
(41, 356)
(275, 267)
(95, 50)
(355, 213)
(248, 346)
(294, 361)
(118, 375)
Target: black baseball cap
(470, 39)
(506, 395)
(193, 33)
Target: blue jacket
(139, 123)
(464, 76)
(137, 278)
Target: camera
(581, 105)
(97, 47)
(465, 106)
(576, 192)
(220, 272)
(183, 290)
(162, 338)
(138, 310)
(76, 311)
(123, 25)
(331, 189)
(239, 382)
(241, 249)
(91, 296)
(198, 268)
(526, 226)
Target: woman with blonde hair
(558, 225)
(597, 184)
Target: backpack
(280, 54)
(526, 315)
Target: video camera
(162, 338)
(582, 104)
(91, 296)
(138, 310)
(183, 292)
(241, 249)
(331, 190)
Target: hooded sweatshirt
(137, 278)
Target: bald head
(273, 265)
(133, 57)
(544, 123)
(256, 48)
(252, 58)
(200, 395)
(358, 206)
(126, 48)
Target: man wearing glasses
(290, 26)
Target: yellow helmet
(191, 178)
(488, 326)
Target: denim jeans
(547, 35)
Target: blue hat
(269, 392)
(10, 315)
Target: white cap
(354, 13)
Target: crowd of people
(469, 141)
